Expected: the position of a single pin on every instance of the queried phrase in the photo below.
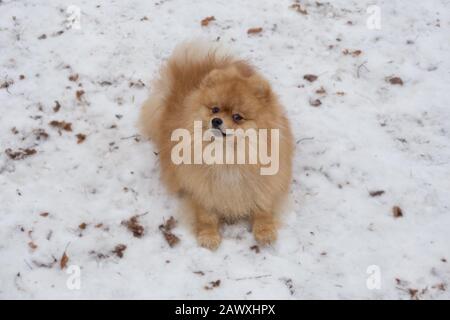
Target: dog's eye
(237, 117)
(215, 109)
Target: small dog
(201, 82)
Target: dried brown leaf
(254, 30)
(136, 84)
(80, 137)
(297, 7)
(20, 153)
(32, 245)
(119, 249)
(79, 94)
(353, 53)
(82, 226)
(40, 134)
(57, 106)
(315, 102)
(133, 225)
(5, 84)
(166, 230)
(62, 125)
(207, 20)
(397, 212)
(74, 77)
(255, 248)
(64, 260)
(212, 285)
(310, 77)
(395, 81)
(376, 193)
(321, 90)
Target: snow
(376, 136)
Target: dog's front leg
(264, 227)
(207, 227)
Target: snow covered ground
(383, 124)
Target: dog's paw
(265, 233)
(209, 239)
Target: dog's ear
(245, 70)
(260, 86)
(261, 89)
(211, 78)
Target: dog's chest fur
(227, 191)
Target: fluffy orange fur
(197, 77)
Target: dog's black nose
(216, 122)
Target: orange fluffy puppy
(201, 82)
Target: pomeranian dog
(202, 86)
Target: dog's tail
(183, 71)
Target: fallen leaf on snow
(413, 293)
(353, 53)
(440, 286)
(254, 30)
(62, 125)
(136, 84)
(6, 84)
(40, 134)
(57, 106)
(212, 285)
(80, 137)
(397, 212)
(82, 226)
(32, 245)
(207, 20)
(166, 229)
(297, 7)
(119, 249)
(133, 225)
(315, 103)
(310, 77)
(376, 193)
(74, 77)
(79, 94)
(321, 90)
(64, 260)
(20, 153)
(395, 80)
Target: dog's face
(232, 98)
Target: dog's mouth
(219, 132)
